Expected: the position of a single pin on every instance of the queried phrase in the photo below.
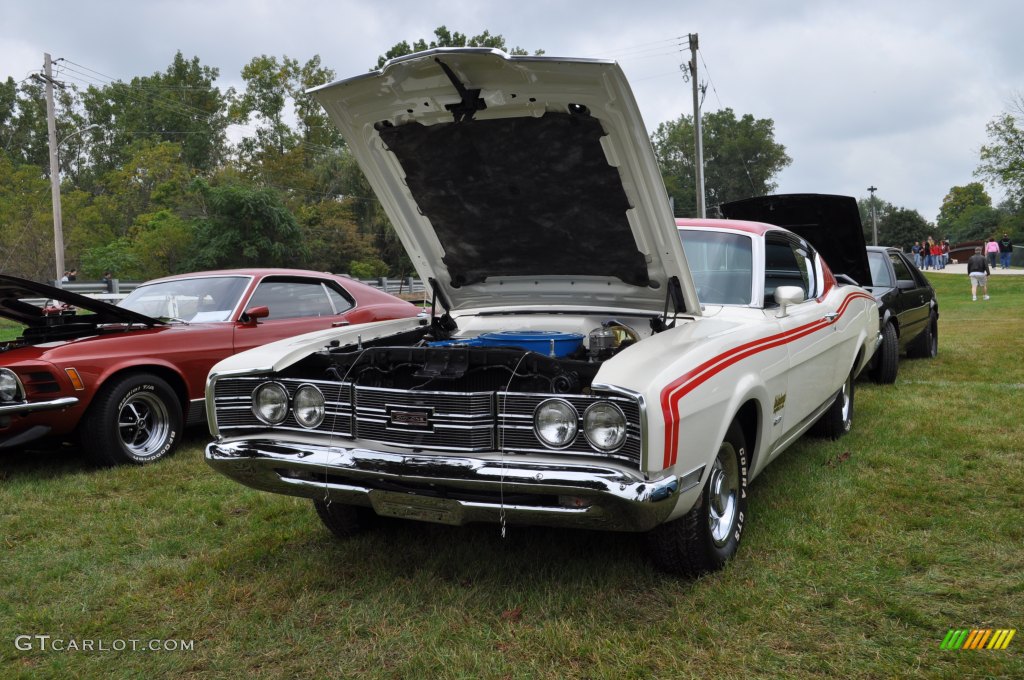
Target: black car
(909, 312)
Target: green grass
(859, 555)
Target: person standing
(944, 244)
(1005, 251)
(926, 249)
(991, 249)
(108, 281)
(916, 250)
(937, 254)
(978, 271)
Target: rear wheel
(926, 346)
(135, 420)
(887, 358)
(838, 419)
(707, 536)
(343, 520)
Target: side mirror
(903, 284)
(788, 295)
(251, 316)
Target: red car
(126, 379)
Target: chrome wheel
(144, 425)
(723, 488)
(847, 404)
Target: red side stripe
(672, 394)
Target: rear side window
(787, 263)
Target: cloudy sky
(890, 94)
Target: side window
(340, 302)
(292, 299)
(899, 266)
(787, 264)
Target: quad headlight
(604, 425)
(556, 422)
(270, 403)
(308, 406)
(10, 386)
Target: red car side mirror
(252, 315)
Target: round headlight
(604, 425)
(270, 403)
(9, 390)
(308, 406)
(555, 421)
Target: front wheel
(887, 358)
(707, 536)
(134, 420)
(838, 419)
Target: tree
(741, 158)
(958, 201)
(180, 105)
(243, 226)
(900, 227)
(1002, 159)
(445, 38)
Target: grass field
(859, 556)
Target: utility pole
(874, 216)
(51, 126)
(697, 137)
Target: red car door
(296, 306)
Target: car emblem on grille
(409, 419)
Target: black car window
(880, 274)
(292, 299)
(900, 267)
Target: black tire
(344, 520)
(838, 419)
(134, 420)
(887, 359)
(706, 537)
(926, 346)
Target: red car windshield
(196, 300)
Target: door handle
(831, 316)
(336, 324)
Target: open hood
(829, 223)
(15, 291)
(514, 181)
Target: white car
(576, 371)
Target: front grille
(449, 421)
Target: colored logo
(978, 638)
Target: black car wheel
(926, 346)
(887, 358)
(135, 420)
(707, 536)
(838, 419)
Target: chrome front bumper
(454, 489)
(23, 407)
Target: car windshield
(202, 299)
(721, 265)
(880, 275)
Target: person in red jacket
(936, 254)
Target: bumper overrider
(454, 488)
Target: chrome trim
(642, 409)
(35, 406)
(470, 488)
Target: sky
(888, 94)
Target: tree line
(167, 173)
